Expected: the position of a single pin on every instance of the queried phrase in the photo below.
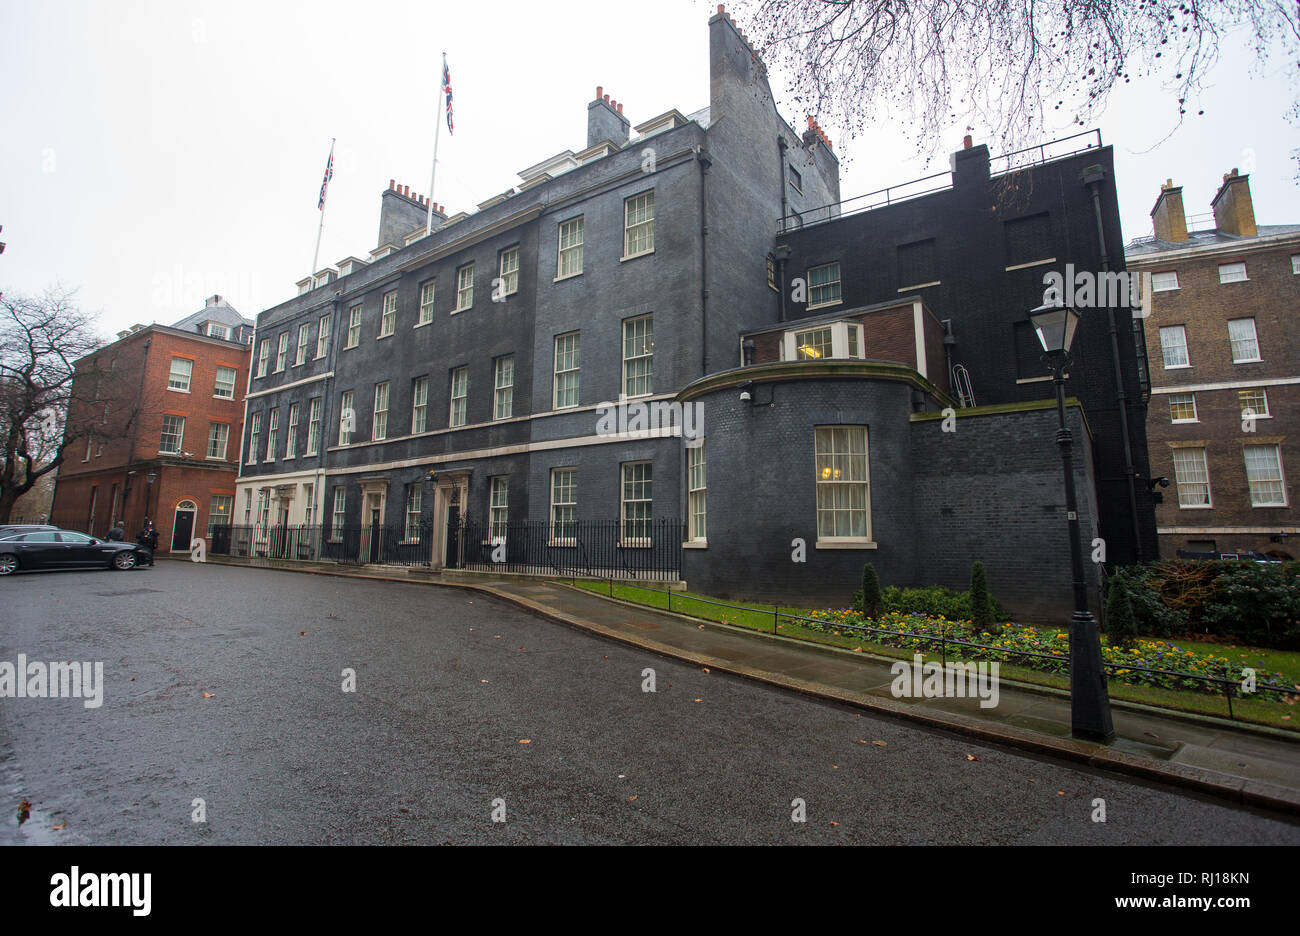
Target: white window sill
(422, 324)
(1252, 360)
(567, 276)
(826, 305)
(1195, 506)
(319, 357)
(1234, 282)
(1031, 263)
(215, 458)
(1184, 422)
(382, 337)
(459, 311)
(845, 544)
(176, 390)
(299, 363)
(1178, 367)
(918, 286)
(218, 396)
(644, 253)
(1270, 506)
(1258, 416)
(1166, 289)
(695, 544)
(288, 458)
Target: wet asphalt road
(448, 686)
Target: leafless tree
(1005, 67)
(41, 338)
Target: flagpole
(321, 230)
(437, 126)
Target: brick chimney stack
(605, 121)
(1234, 213)
(1167, 217)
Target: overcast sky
(153, 153)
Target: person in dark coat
(117, 534)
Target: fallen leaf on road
(1060, 792)
(525, 740)
(1151, 734)
(132, 679)
(302, 633)
(60, 827)
(857, 649)
(496, 636)
(705, 670)
(699, 700)
(482, 680)
(971, 757)
(879, 743)
(631, 799)
(24, 811)
(835, 766)
(701, 627)
(835, 823)
(209, 695)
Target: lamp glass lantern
(1055, 325)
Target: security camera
(1163, 482)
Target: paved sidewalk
(1257, 767)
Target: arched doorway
(183, 525)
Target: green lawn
(762, 617)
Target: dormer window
(216, 330)
(832, 340)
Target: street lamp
(1089, 701)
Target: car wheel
(8, 563)
(124, 561)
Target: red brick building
(1224, 420)
(166, 406)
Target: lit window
(323, 335)
(570, 262)
(1182, 407)
(1173, 346)
(1264, 473)
(218, 439)
(637, 498)
(347, 418)
(504, 393)
(567, 352)
(254, 434)
(843, 505)
(388, 318)
(823, 285)
(179, 377)
(219, 510)
(499, 509)
(1163, 282)
(225, 385)
(1192, 476)
(564, 503)
(426, 302)
(510, 271)
(639, 225)
(464, 288)
(304, 342)
(272, 433)
(459, 395)
(173, 434)
(291, 433)
(638, 356)
(1232, 272)
(282, 352)
(1254, 402)
(414, 503)
(354, 327)
(813, 345)
(1245, 344)
(313, 426)
(697, 484)
(380, 425)
(420, 405)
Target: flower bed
(1051, 647)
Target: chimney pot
(600, 90)
(606, 99)
(620, 108)
(721, 9)
(966, 142)
(392, 184)
(406, 190)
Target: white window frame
(845, 336)
(254, 436)
(642, 230)
(825, 303)
(630, 345)
(412, 512)
(281, 351)
(428, 292)
(457, 415)
(1178, 399)
(338, 513)
(1257, 414)
(503, 393)
(217, 330)
(498, 509)
(1156, 281)
(180, 382)
(272, 433)
(304, 341)
(313, 426)
(419, 405)
(1280, 480)
(323, 336)
(565, 356)
(464, 288)
(1181, 331)
(218, 517)
(291, 433)
(1244, 344)
(263, 357)
(348, 401)
(1190, 488)
(636, 531)
(162, 450)
(354, 327)
(308, 504)
(218, 385)
(221, 438)
(697, 494)
(569, 260)
(1233, 272)
(388, 315)
(833, 452)
(379, 417)
(566, 508)
(509, 273)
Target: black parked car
(68, 549)
(13, 529)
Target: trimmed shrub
(1151, 615)
(1121, 625)
(981, 609)
(935, 601)
(871, 603)
(1258, 604)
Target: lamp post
(1090, 717)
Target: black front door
(453, 531)
(182, 530)
(375, 534)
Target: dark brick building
(163, 407)
(1225, 374)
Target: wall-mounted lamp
(745, 395)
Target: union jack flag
(446, 89)
(325, 183)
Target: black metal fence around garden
(649, 549)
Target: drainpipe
(705, 161)
(135, 430)
(1092, 177)
(781, 146)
